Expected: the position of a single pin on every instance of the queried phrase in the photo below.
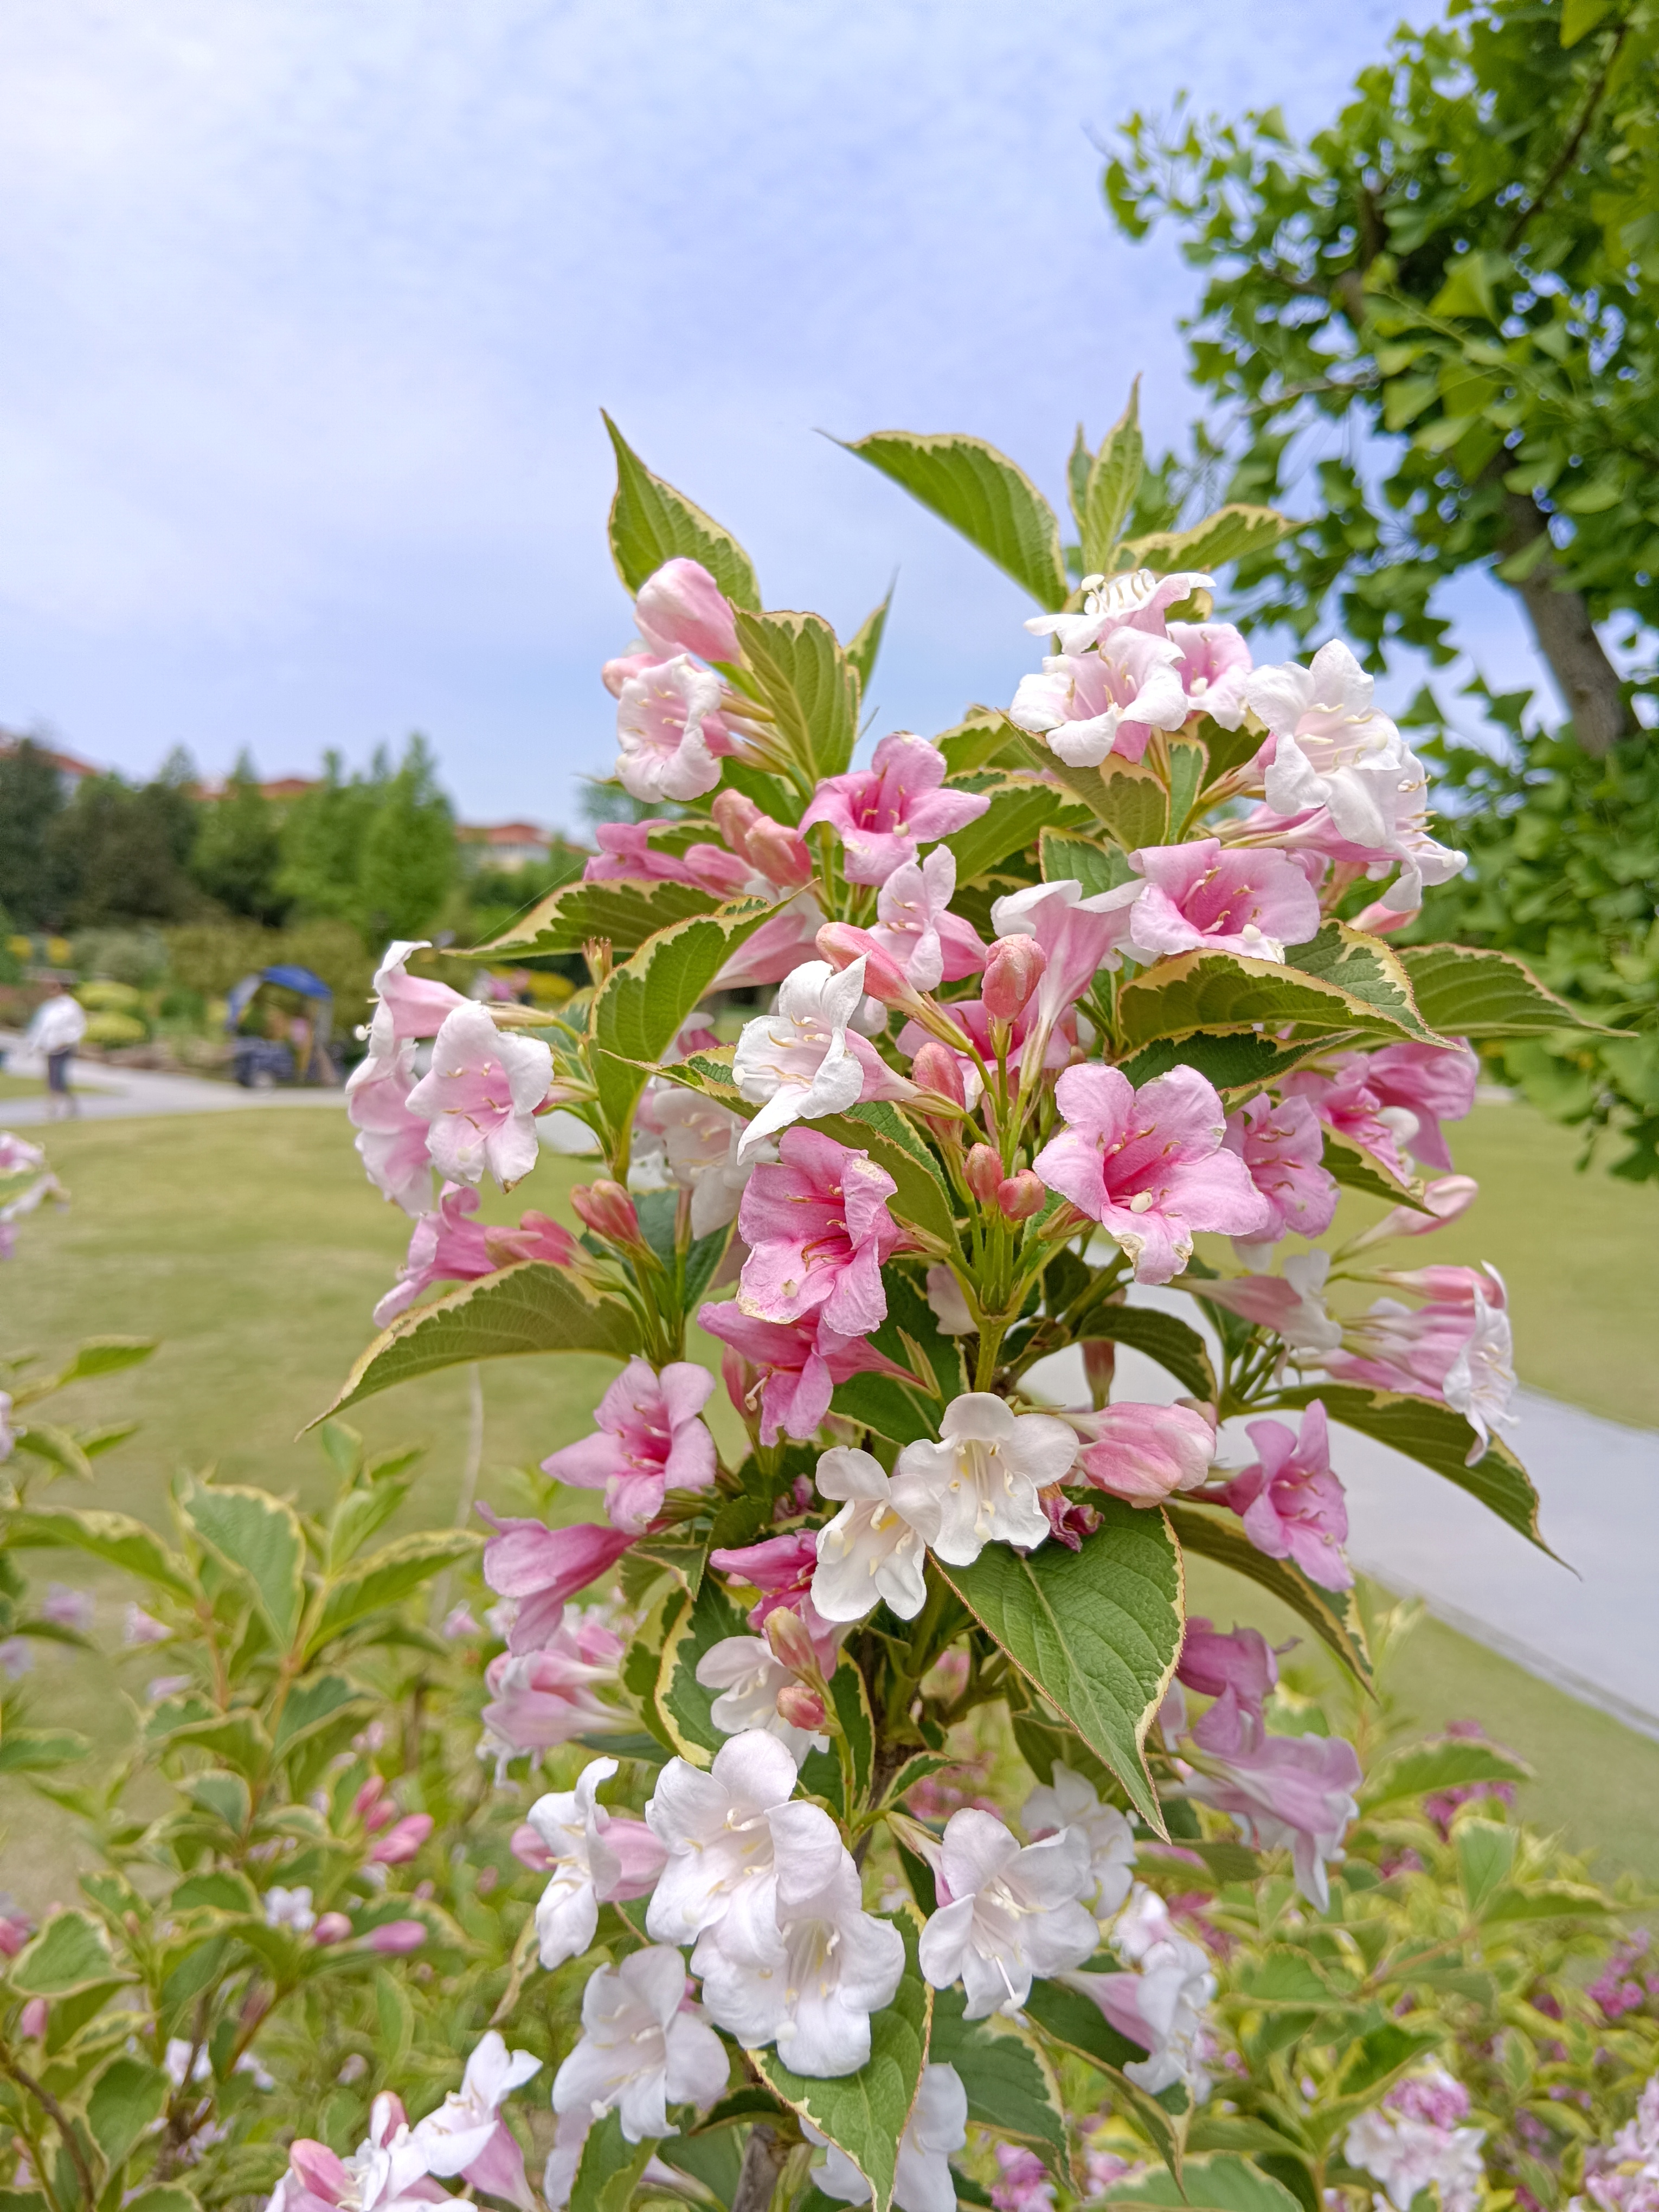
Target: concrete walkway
(1591, 1626)
(104, 1093)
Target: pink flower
(1089, 705)
(1291, 1503)
(401, 1843)
(1281, 1789)
(626, 853)
(397, 1938)
(537, 1236)
(671, 731)
(649, 1441)
(1282, 1149)
(1214, 662)
(32, 2021)
(1432, 1083)
(1458, 1347)
(527, 1847)
(67, 1609)
(1142, 1453)
(1201, 898)
(782, 1569)
(882, 813)
(788, 1368)
(408, 1005)
(1212, 1663)
(1026, 2184)
(444, 1246)
(332, 1928)
(391, 1140)
(1134, 599)
(1149, 1164)
(778, 947)
(538, 1568)
(545, 1698)
(916, 928)
(1344, 1102)
(1079, 936)
(818, 1229)
(480, 1098)
(681, 609)
(16, 1929)
(1442, 1200)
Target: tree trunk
(1566, 636)
(762, 2162)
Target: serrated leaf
(1231, 534)
(1011, 2086)
(259, 1537)
(533, 1307)
(1486, 1853)
(1462, 992)
(983, 495)
(651, 523)
(1220, 2182)
(865, 2113)
(1238, 1065)
(1020, 809)
(237, 1737)
(809, 683)
(1453, 1763)
(1216, 992)
(1097, 1630)
(1332, 1615)
(1066, 857)
(862, 647)
(682, 1702)
(984, 738)
(116, 1537)
(71, 1952)
(1133, 802)
(610, 2167)
(1177, 1349)
(1428, 1431)
(1366, 969)
(388, 1576)
(1114, 478)
(624, 910)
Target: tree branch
(1569, 153)
(1566, 636)
(762, 2162)
(59, 2118)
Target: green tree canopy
(409, 857)
(236, 854)
(33, 887)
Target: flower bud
(735, 817)
(401, 1844)
(1021, 1194)
(1099, 1366)
(936, 1068)
(1012, 972)
(779, 853)
(840, 944)
(398, 1936)
(786, 1631)
(1383, 919)
(801, 1707)
(606, 1208)
(983, 1171)
(681, 609)
(32, 2022)
(332, 1928)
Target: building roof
(69, 765)
(503, 833)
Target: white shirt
(59, 1025)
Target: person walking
(58, 1026)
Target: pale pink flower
(973, 1018)
(781, 944)
(1282, 1789)
(1079, 936)
(1444, 1200)
(648, 1441)
(537, 1568)
(1134, 599)
(466, 2135)
(733, 1829)
(818, 1229)
(1162, 2004)
(391, 1140)
(1281, 1146)
(1143, 1453)
(408, 1005)
(1292, 1302)
(1149, 1164)
(1212, 1663)
(642, 2048)
(670, 731)
(701, 1142)
(1093, 704)
(916, 928)
(1214, 663)
(788, 1369)
(1290, 1502)
(1458, 1347)
(681, 609)
(547, 1697)
(1026, 2184)
(31, 2020)
(628, 853)
(950, 1306)
(1006, 1914)
(480, 1097)
(448, 1246)
(402, 1841)
(594, 1856)
(1433, 1083)
(1376, 817)
(67, 1609)
(1344, 1102)
(782, 1570)
(1411, 2145)
(882, 813)
(140, 1627)
(1200, 897)
(1321, 720)
(1070, 1801)
(396, 1939)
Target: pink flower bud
(801, 1707)
(1381, 921)
(606, 1208)
(734, 818)
(399, 1844)
(1100, 1366)
(840, 944)
(332, 1928)
(983, 1170)
(787, 1633)
(1013, 971)
(779, 853)
(373, 1805)
(33, 2020)
(937, 1069)
(398, 1936)
(1021, 1195)
(681, 609)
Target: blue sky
(312, 310)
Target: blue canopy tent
(262, 1061)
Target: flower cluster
(1413, 2141)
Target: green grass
(251, 1245)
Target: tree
(236, 854)
(322, 839)
(1467, 262)
(409, 856)
(117, 850)
(33, 887)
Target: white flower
(805, 1971)
(459, 2132)
(923, 2182)
(177, 2064)
(1110, 601)
(749, 1676)
(290, 1908)
(722, 1831)
(980, 1482)
(1070, 1801)
(1408, 2154)
(1161, 2007)
(700, 1141)
(640, 2050)
(480, 1096)
(1321, 720)
(870, 1551)
(572, 1825)
(1012, 1913)
(660, 714)
(950, 1307)
(795, 1063)
(1480, 1381)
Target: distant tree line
(376, 848)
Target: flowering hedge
(1055, 994)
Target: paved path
(1591, 1626)
(104, 1094)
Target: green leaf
(1177, 1349)
(1131, 801)
(1580, 17)
(388, 1576)
(219, 1891)
(865, 643)
(1021, 808)
(625, 912)
(259, 1537)
(237, 1737)
(1216, 992)
(1356, 1169)
(1452, 1763)
(865, 2113)
(1011, 2086)
(638, 1010)
(1068, 857)
(1560, 1900)
(651, 523)
(1380, 2055)
(1189, 769)
(1113, 480)
(923, 1196)
(857, 1744)
(360, 1515)
(225, 1796)
(312, 1703)
(610, 2167)
(985, 737)
(1486, 1852)
(1238, 1065)
(37, 1750)
(809, 683)
(128, 2096)
(171, 2198)
(70, 1954)
(57, 1446)
(685, 1557)
(534, 1307)
(107, 1355)
(888, 1407)
(1231, 534)
(1465, 993)
(981, 492)
(682, 1701)
(1332, 1615)
(1221, 2181)
(1367, 970)
(1428, 1431)
(1097, 1630)
(395, 2017)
